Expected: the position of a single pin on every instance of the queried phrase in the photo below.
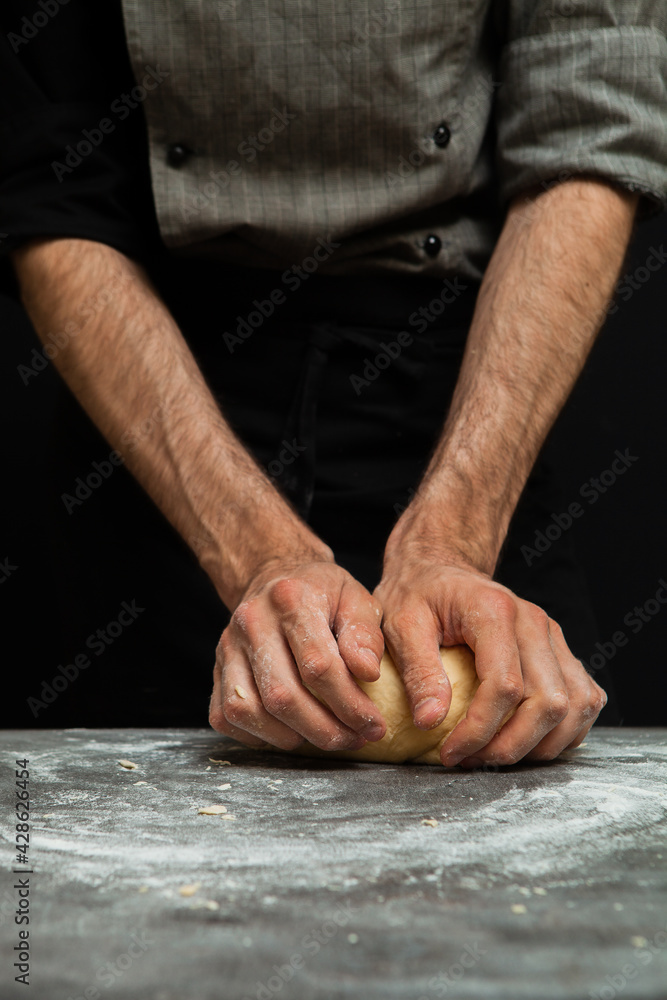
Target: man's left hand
(521, 656)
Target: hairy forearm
(132, 371)
(540, 307)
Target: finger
(314, 660)
(324, 672)
(216, 715)
(357, 629)
(276, 676)
(490, 633)
(285, 698)
(243, 709)
(583, 733)
(546, 700)
(587, 699)
(413, 638)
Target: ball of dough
(403, 741)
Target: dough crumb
(353, 938)
(519, 908)
(214, 760)
(142, 888)
(127, 764)
(539, 891)
(241, 692)
(429, 822)
(141, 782)
(638, 941)
(190, 890)
(212, 810)
(205, 904)
(524, 890)
(618, 907)
(223, 788)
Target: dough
(404, 741)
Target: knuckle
(507, 757)
(225, 645)
(558, 705)
(500, 605)
(592, 702)
(316, 668)
(236, 711)
(399, 625)
(591, 710)
(339, 741)
(554, 627)
(287, 594)
(289, 743)
(600, 698)
(510, 689)
(217, 719)
(244, 616)
(278, 699)
(543, 754)
(362, 635)
(538, 616)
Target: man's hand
(521, 657)
(539, 308)
(309, 624)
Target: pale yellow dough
(403, 741)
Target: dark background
(618, 403)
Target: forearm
(132, 371)
(539, 309)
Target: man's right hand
(308, 624)
(298, 619)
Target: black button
(442, 135)
(177, 154)
(432, 245)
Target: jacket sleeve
(582, 91)
(73, 150)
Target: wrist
(251, 552)
(438, 533)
